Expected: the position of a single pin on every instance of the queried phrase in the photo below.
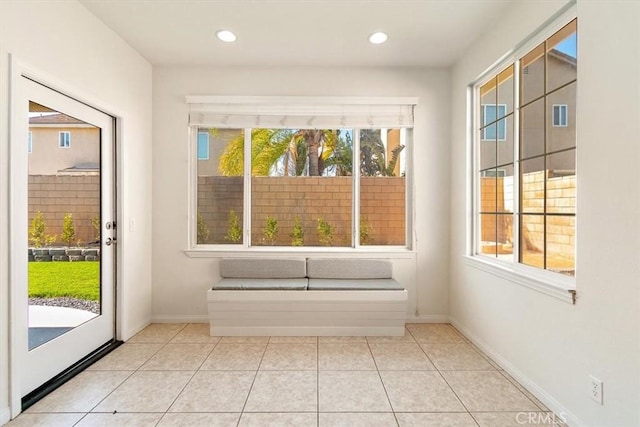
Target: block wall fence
(57, 195)
(382, 206)
(561, 198)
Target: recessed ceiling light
(378, 37)
(226, 36)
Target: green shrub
(68, 229)
(325, 232)
(270, 231)
(95, 222)
(234, 230)
(203, 231)
(297, 233)
(365, 231)
(37, 234)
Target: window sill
(217, 252)
(559, 289)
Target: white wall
(71, 47)
(180, 282)
(549, 344)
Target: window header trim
(301, 112)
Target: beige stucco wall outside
(48, 158)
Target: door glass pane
(64, 223)
(220, 186)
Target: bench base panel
(307, 313)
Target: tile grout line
(246, 400)
(185, 385)
(130, 375)
(192, 376)
(443, 378)
(386, 393)
(517, 385)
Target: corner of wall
(532, 387)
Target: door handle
(110, 241)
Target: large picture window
(525, 192)
(340, 187)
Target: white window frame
(544, 281)
(563, 113)
(498, 121)
(30, 143)
(209, 250)
(64, 139)
(198, 147)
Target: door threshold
(57, 381)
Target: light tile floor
(177, 375)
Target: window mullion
(246, 241)
(516, 162)
(355, 155)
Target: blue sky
(568, 46)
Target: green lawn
(65, 279)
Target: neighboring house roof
(563, 57)
(89, 168)
(55, 119)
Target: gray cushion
(260, 284)
(353, 268)
(354, 285)
(263, 268)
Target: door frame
(18, 226)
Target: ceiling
(422, 33)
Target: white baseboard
(544, 397)
(428, 318)
(5, 415)
(181, 318)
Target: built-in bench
(298, 296)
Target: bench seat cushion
(263, 268)
(354, 268)
(298, 284)
(354, 285)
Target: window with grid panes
(525, 188)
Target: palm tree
(373, 156)
(288, 152)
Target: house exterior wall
(550, 346)
(69, 48)
(534, 116)
(218, 140)
(47, 158)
